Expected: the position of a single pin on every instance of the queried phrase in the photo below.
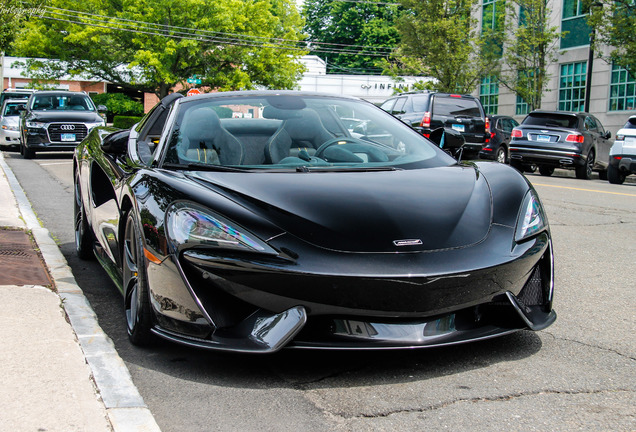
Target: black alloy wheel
(84, 238)
(501, 155)
(584, 172)
(546, 171)
(615, 176)
(136, 294)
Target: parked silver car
(10, 123)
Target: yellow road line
(585, 190)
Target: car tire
(602, 175)
(84, 238)
(501, 155)
(26, 152)
(584, 172)
(546, 171)
(136, 293)
(614, 175)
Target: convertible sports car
(253, 221)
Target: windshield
(282, 132)
(62, 102)
(11, 109)
(631, 123)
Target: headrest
(201, 124)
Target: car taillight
(487, 127)
(577, 138)
(426, 120)
(620, 137)
(516, 133)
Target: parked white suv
(622, 156)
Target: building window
(574, 23)
(572, 86)
(492, 25)
(489, 94)
(622, 90)
(522, 106)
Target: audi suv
(56, 121)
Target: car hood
(11, 120)
(393, 211)
(64, 116)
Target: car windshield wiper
(202, 166)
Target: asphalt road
(579, 374)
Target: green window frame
(522, 106)
(489, 94)
(572, 86)
(574, 22)
(492, 24)
(622, 90)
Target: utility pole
(1, 70)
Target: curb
(125, 407)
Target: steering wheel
(337, 141)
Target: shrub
(118, 104)
(125, 122)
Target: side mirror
(102, 108)
(607, 135)
(21, 108)
(116, 143)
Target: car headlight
(10, 127)
(190, 224)
(34, 124)
(531, 219)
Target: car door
(603, 144)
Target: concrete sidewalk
(58, 370)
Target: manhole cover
(19, 263)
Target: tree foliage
(350, 27)
(151, 45)
(614, 22)
(529, 49)
(439, 38)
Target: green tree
(439, 38)
(530, 48)
(358, 35)
(152, 45)
(614, 22)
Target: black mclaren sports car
(253, 221)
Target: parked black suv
(561, 139)
(55, 121)
(427, 111)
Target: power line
(206, 35)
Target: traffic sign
(193, 91)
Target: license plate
(458, 127)
(630, 142)
(543, 138)
(68, 137)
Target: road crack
(627, 356)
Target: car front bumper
(233, 303)
(9, 138)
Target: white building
(374, 88)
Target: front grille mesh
(533, 293)
(55, 131)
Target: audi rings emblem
(67, 127)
